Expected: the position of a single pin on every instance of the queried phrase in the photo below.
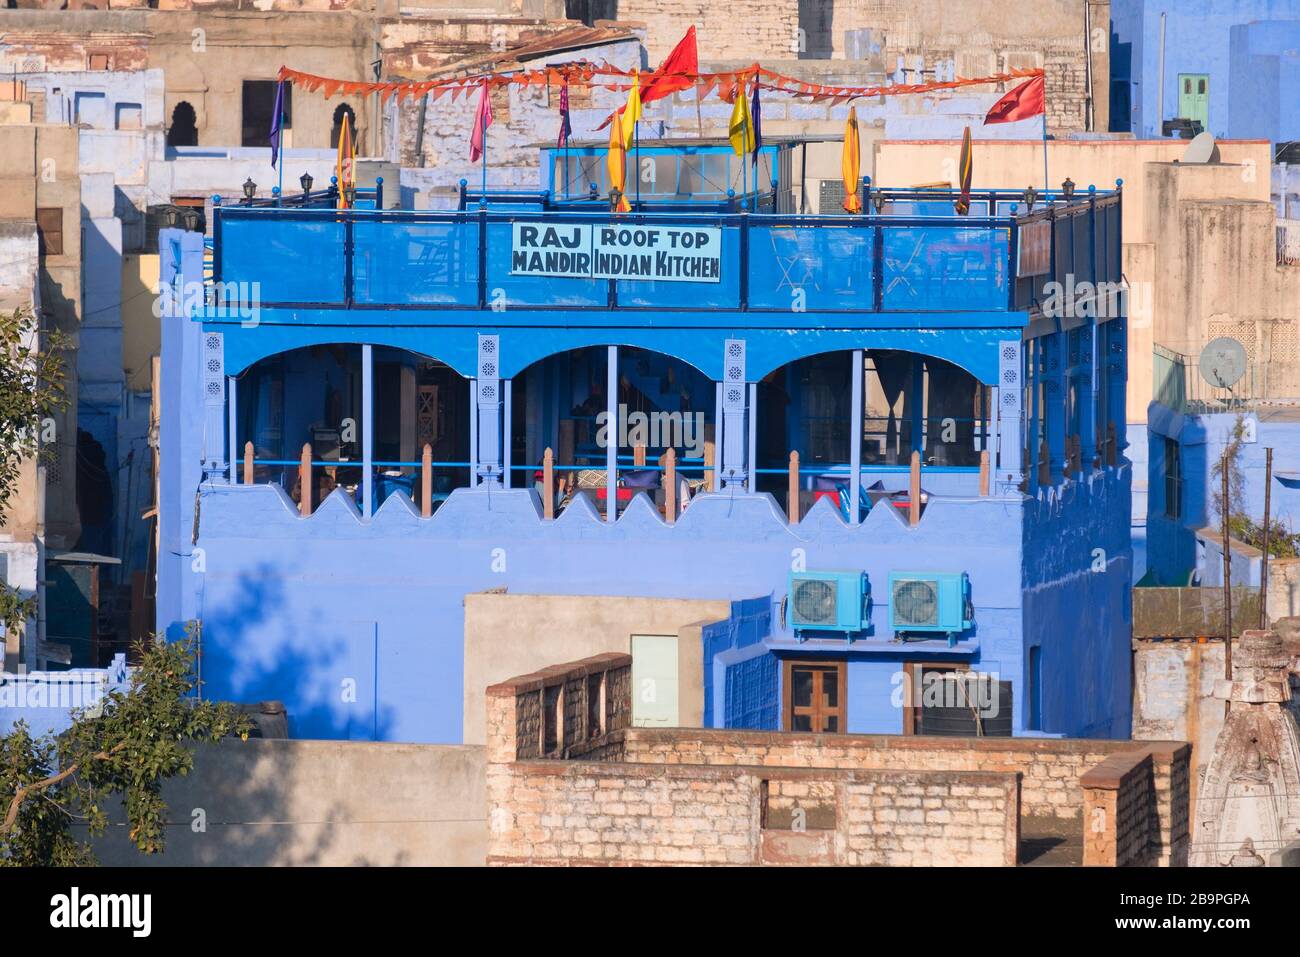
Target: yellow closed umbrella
(851, 163)
(616, 164)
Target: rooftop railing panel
(905, 256)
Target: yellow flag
(616, 165)
(632, 111)
(741, 129)
(851, 164)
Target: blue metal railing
(311, 255)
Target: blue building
(431, 359)
(1185, 443)
(1231, 65)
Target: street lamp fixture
(1031, 197)
(250, 189)
(1067, 189)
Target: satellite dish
(1223, 363)
(1202, 150)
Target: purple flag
(566, 128)
(756, 118)
(275, 123)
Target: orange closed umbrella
(850, 163)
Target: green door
(1194, 98)
(654, 681)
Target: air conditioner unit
(828, 601)
(930, 603)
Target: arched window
(184, 129)
(337, 129)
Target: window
(259, 111)
(814, 697)
(1173, 479)
(953, 701)
(184, 127)
(128, 117)
(49, 230)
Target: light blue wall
(1202, 439)
(1199, 40)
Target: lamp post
(1067, 189)
(305, 182)
(1031, 197)
(878, 202)
(250, 190)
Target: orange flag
(616, 164)
(346, 161)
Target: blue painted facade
(1248, 49)
(1198, 441)
(367, 594)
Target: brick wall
(548, 812)
(1119, 811)
(682, 795)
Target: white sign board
(662, 253)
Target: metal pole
(611, 434)
(233, 453)
(855, 435)
(367, 429)
(1263, 570)
(507, 414)
(1226, 509)
(1160, 98)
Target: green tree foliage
(121, 751)
(32, 377)
(1283, 542)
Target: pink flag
(482, 120)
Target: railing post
(426, 481)
(984, 473)
(669, 461)
(304, 481)
(710, 472)
(548, 484)
(878, 269)
(1112, 440)
(482, 257)
(248, 463)
(1044, 464)
(914, 491)
(792, 493)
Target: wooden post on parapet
(304, 481)
(248, 463)
(669, 462)
(1044, 464)
(710, 473)
(984, 473)
(426, 481)
(792, 493)
(638, 456)
(914, 491)
(548, 484)
(1112, 445)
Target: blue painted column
(611, 434)
(752, 456)
(1088, 424)
(507, 388)
(367, 431)
(718, 423)
(473, 434)
(180, 267)
(1010, 409)
(734, 393)
(1117, 380)
(233, 440)
(487, 413)
(1033, 365)
(855, 439)
(916, 409)
(1055, 359)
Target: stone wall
(613, 813)
(1118, 812)
(1050, 767)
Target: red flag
(677, 72)
(1028, 99)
